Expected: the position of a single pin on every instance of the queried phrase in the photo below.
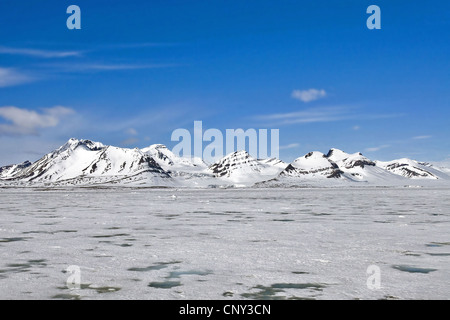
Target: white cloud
(422, 137)
(29, 122)
(308, 95)
(39, 53)
(289, 146)
(11, 77)
(356, 128)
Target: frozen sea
(225, 243)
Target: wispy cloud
(131, 132)
(321, 114)
(48, 54)
(129, 142)
(289, 146)
(12, 77)
(100, 67)
(113, 67)
(159, 118)
(375, 149)
(29, 122)
(137, 45)
(393, 143)
(39, 53)
(422, 137)
(308, 95)
(326, 114)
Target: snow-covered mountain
(336, 165)
(241, 167)
(312, 165)
(171, 162)
(84, 162)
(410, 169)
(189, 172)
(356, 167)
(340, 168)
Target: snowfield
(290, 243)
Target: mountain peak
(75, 143)
(312, 164)
(157, 146)
(337, 154)
(237, 162)
(239, 153)
(314, 155)
(170, 161)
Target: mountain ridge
(85, 162)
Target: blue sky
(137, 70)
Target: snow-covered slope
(274, 162)
(7, 172)
(443, 166)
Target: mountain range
(88, 163)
